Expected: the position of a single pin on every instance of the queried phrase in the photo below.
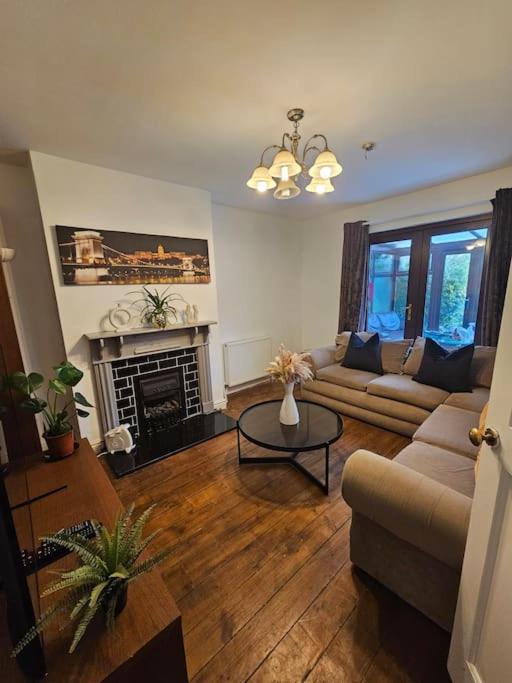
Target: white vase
(289, 414)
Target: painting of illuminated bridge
(109, 257)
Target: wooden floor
(261, 569)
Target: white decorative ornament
(119, 439)
(119, 317)
(195, 308)
(289, 414)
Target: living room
(183, 190)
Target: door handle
(489, 435)
(408, 311)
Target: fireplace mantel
(131, 346)
(110, 346)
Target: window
(426, 281)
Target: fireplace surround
(157, 382)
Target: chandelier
(287, 166)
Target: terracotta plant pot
(60, 446)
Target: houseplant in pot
(158, 307)
(53, 403)
(289, 368)
(107, 564)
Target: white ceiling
(192, 91)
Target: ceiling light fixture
(288, 167)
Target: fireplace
(158, 383)
(160, 400)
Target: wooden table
(147, 642)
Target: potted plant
(108, 563)
(158, 307)
(290, 368)
(55, 405)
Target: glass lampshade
(320, 186)
(326, 166)
(284, 165)
(261, 180)
(286, 190)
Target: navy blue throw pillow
(363, 355)
(446, 370)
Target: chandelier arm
(312, 148)
(266, 150)
(287, 136)
(318, 135)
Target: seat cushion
(346, 377)
(403, 388)
(448, 428)
(448, 468)
(474, 401)
(362, 399)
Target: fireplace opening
(160, 398)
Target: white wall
(28, 275)
(81, 195)
(258, 274)
(322, 240)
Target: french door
(425, 281)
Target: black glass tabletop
(318, 426)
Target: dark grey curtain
(496, 270)
(354, 270)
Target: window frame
(420, 236)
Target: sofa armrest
(321, 357)
(417, 509)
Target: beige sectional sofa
(392, 400)
(411, 514)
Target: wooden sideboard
(147, 642)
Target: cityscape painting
(109, 257)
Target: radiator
(246, 359)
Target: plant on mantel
(158, 307)
(56, 405)
(108, 564)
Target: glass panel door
(388, 284)
(453, 286)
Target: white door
(481, 647)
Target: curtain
(496, 270)
(354, 270)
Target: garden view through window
(427, 284)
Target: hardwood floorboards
(261, 569)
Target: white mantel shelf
(109, 346)
(130, 331)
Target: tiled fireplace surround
(119, 357)
(125, 371)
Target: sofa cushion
(363, 354)
(347, 377)
(448, 428)
(342, 339)
(403, 388)
(362, 399)
(393, 354)
(483, 365)
(474, 401)
(449, 370)
(446, 467)
(413, 362)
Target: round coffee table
(318, 427)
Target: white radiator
(246, 359)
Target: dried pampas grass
(289, 366)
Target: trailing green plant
(108, 563)
(55, 405)
(158, 307)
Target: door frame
(420, 236)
